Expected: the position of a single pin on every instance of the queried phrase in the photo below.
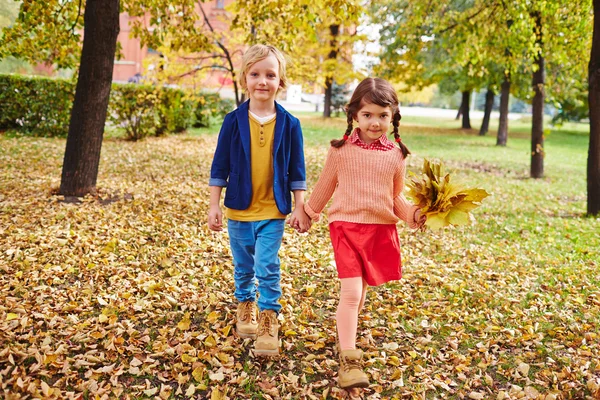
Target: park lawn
(127, 294)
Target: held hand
(293, 221)
(299, 220)
(304, 221)
(215, 219)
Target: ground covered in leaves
(127, 294)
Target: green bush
(134, 108)
(35, 105)
(176, 111)
(210, 107)
(42, 107)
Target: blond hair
(257, 53)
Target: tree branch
(468, 18)
(76, 19)
(193, 71)
(225, 51)
(202, 58)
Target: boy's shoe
(267, 340)
(246, 324)
(351, 374)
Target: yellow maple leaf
(442, 201)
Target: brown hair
(373, 91)
(257, 53)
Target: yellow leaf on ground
(198, 374)
(185, 322)
(11, 316)
(186, 358)
(190, 390)
(212, 317)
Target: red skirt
(371, 251)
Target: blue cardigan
(231, 166)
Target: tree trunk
(327, 100)
(466, 119)
(459, 112)
(537, 124)
(593, 164)
(503, 123)
(334, 30)
(489, 103)
(88, 115)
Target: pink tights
(352, 300)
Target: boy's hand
(299, 220)
(215, 219)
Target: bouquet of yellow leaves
(442, 201)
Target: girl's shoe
(267, 340)
(246, 324)
(351, 374)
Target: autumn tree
(318, 37)
(593, 162)
(50, 32)
(539, 36)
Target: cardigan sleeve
(324, 188)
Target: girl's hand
(215, 219)
(420, 220)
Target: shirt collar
(382, 140)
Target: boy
(260, 159)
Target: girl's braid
(340, 142)
(396, 123)
(350, 120)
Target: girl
(260, 159)
(366, 172)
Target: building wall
(133, 54)
(131, 50)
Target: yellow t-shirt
(262, 205)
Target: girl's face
(263, 80)
(373, 121)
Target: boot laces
(265, 325)
(352, 364)
(246, 311)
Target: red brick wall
(133, 54)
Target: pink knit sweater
(368, 187)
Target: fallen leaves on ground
(127, 294)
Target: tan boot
(267, 340)
(246, 324)
(351, 374)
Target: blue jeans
(254, 246)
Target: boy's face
(263, 80)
